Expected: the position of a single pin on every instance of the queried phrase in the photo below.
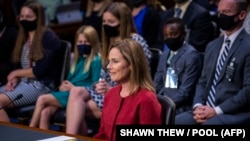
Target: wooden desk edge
(47, 131)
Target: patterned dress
(35, 88)
(45, 70)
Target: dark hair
(177, 21)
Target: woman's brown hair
(36, 51)
(140, 74)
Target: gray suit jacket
(188, 62)
(233, 88)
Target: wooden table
(18, 132)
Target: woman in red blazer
(133, 100)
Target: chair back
(154, 60)
(168, 109)
(66, 62)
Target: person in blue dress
(84, 71)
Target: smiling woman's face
(118, 67)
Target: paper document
(59, 138)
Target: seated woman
(117, 24)
(36, 52)
(133, 94)
(84, 71)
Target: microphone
(11, 101)
(17, 97)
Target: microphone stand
(11, 101)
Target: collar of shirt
(174, 52)
(183, 7)
(233, 36)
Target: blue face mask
(84, 49)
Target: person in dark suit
(223, 92)
(204, 3)
(177, 76)
(198, 22)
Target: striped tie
(211, 96)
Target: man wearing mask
(7, 42)
(222, 93)
(198, 22)
(179, 68)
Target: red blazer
(140, 108)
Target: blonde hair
(123, 13)
(140, 74)
(36, 51)
(91, 35)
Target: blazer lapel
(179, 54)
(214, 58)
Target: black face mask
(29, 25)
(174, 43)
(84, 49)
(136, 3)
(111, 31)
(227, 22)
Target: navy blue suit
(233, 87)
(189, 64)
